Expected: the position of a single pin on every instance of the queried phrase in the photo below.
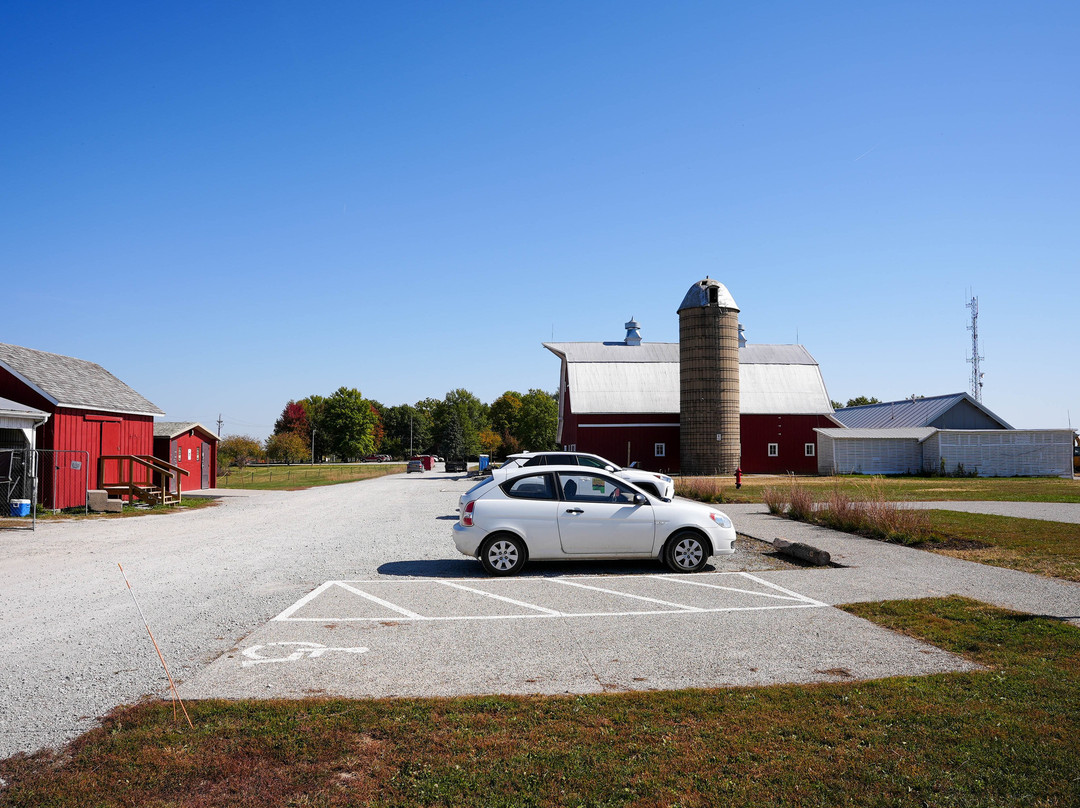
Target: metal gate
(29, 476)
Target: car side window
(534, 486)
(538, 460)
(592, 461)
(590, 488)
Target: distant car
(569, 512)
(457, 464)
(654, 482)
(416, 464)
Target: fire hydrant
(738, 477)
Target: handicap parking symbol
(311, 650)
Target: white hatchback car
(568, 512)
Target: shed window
(810, 449)
(774, 450)
(660, 449)
(189, 454)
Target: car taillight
(466, 515)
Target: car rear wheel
(686, 551)
(503, 554)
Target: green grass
(1028, 545)
(284, 478)
(1002, 736)
(896, 489)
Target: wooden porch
(146, 478)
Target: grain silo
(709, 380)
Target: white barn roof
(613, 377)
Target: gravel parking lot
(211, 583)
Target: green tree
(505, 411)
(238, 450)
(860, 401)
(350, 424)
(406, 428)
(538, 421)
(287, 447)
(459, 417)
(315, 407)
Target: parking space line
(310, 596)
(680, 606)
(796, 598)
(785, 591)
(504, 599)
(400, 610)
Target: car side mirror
(640, 499)
(609, 468)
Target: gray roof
(612, 377)
(907, 412)
(171, 429)
(69, 382)
(920, 433)
(9, 407)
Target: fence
(31, 476)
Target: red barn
(92, 413)
(190, 446)
(621, 400)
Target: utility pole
(219, 423)
(974, 359)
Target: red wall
(790, 433)
(610, 439)
(97, 433)
(176, 452)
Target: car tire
(686, 551)
(503, 554)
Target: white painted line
(728, 588)
(310, 596)
(785, 591)
(380, 601)
(681, 606)
(520, 603)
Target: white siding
(1006, 453)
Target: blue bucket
(20, 507)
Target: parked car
(660, 484)
(457, 464)
(570, 512)
(416, 464)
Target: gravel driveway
(211, 581)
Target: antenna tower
(974, 359)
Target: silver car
(568, 512)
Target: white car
(653, 482)
(568, 512)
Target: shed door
(206, 465)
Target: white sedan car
(568, 512)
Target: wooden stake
(172, 684)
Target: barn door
(206, 465)
(110, 445)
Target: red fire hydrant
(738, 477)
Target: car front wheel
(686, 552)
(503, 554)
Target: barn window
(810, 449)
(189, 454)
(774, 450)
(660, 449)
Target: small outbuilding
(92, 414)
(191, 447)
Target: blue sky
(230, 205)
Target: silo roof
(697, 296)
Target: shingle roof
(906, 413)
(172, 429)
(69, 382)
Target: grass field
(1003, 736)
(896, 489)
(283, 478)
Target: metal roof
(698, 297)
(612, 377)
(69, 382)
(907, 412)
(913, 433)
(14, 408)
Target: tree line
(345, 426)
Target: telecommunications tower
(974, 359)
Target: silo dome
(710, 441)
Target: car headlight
(720, 519)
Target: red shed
(92, 412)
(192, 447)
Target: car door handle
(574, 510)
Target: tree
(287, 447)
(405, 427)
(860, 401)
(315, 406)
(458, 420)
(490, 442)
(293, 418)
(504, 412)
(538, 421)
(350, 423)
(238, 450)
